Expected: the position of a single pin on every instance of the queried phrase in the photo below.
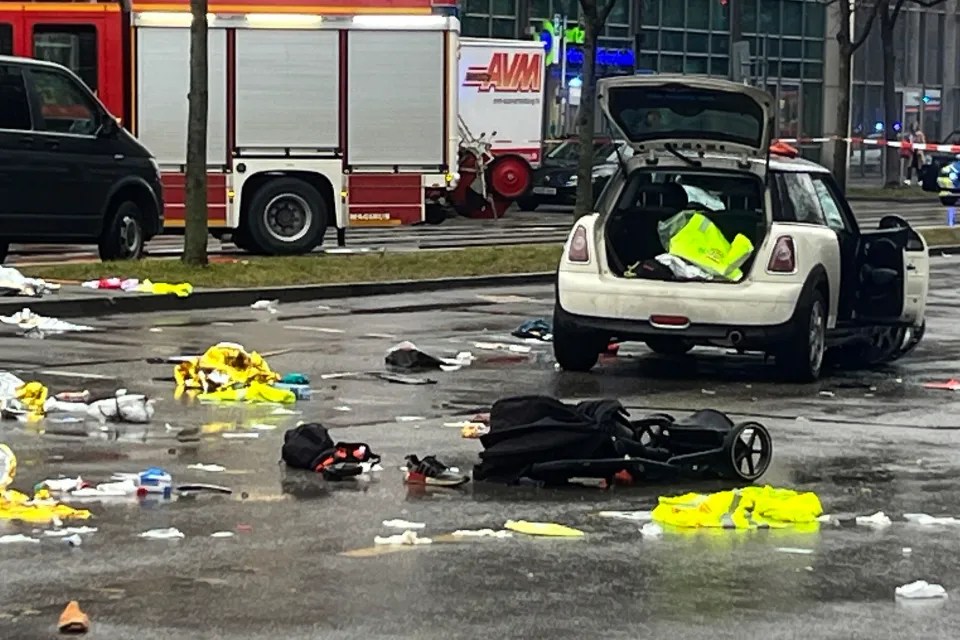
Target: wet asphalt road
(892, 448)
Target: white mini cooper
(815, 284)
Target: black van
(69, 173)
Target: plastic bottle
(154, 480)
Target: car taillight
(784, 258)
(578, 246)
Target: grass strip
(319, 268)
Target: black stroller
(541, 439)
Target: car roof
(33, 62)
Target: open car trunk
(656, 202)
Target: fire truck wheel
(287, 216)
(4, 248)
(123, 236)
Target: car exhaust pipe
(735, 338)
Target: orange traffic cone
(73, 620)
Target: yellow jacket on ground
(747, 508)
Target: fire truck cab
(318, 117)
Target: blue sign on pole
(605, 57)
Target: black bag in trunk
(527, 430)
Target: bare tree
(848, 43)
(595, 14)
(195, 229)
(889, 12)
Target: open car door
(681, 112)
(916, 260)
(881, 268)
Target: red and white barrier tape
(877, 142)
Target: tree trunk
(890, 112)
(841, 148)
(195, 230)
(586, 121)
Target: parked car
(69, 173)
(814, 284)
(555, 182)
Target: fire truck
(319, 116)
(501, 123)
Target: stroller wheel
(749, 450)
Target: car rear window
(715, 193)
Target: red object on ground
(950, 385)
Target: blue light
(576, 82)
(926, 99)
(897, 126)
(878, 126)
(605, 57)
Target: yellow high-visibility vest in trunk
(700, 242)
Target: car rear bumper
(761, 312)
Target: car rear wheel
(123, 236)
(669, 346)
(802, 358)
(528, 204)
(575, 350)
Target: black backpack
(309, 446)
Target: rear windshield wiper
(676, 154)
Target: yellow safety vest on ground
(747, 508)
(700, 242)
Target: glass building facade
(792, 49)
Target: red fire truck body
(337, 115)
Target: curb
(116, 304)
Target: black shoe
(431, 472)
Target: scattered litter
(222, 534)
(309, 446)
(403, 524)
(112, 284)
(399, 378)
(69, 531)
(213, 468)
(270, 306)
(827, 394)
(37, 326)
(259, 426)
(708, 392)
(906, 551)
(538, 329)
(638, 516)
(294, 379)
(12, 282)
(280, 411)
(73, 540)
(431, 472)
(16, 537)
(410, 418)
(482, 533)
(171, 533)
(950, 385)
(197, 486)
(927, 520)
(651, 530)
(127, 407)
(342, 408)
(501, 346)
(240, 435)
(155, 330)
(405, 538)
(73, 620)
(507, 299)
(877, 520)
(795, 550)
(548, 529)
(17, 506)
(61, 485)
(406, 355)
(747, 508)
(225, 365)
(921, 589)
(474, 430)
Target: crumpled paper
(920, 590)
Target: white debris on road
(212, 468)
(14, 283)
(877, 520)
(927, 520)
(405, 538)
(36, 326)
(403, 524)
(171, 533)
(921, 589)
(636, 516)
